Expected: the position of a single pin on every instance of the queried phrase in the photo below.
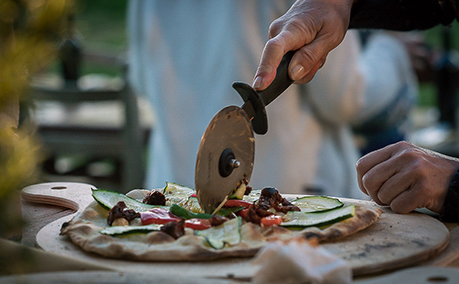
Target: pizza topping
(271, 220)
(255, 213)
(175, 229)
(198, 224)
(248, 190)
(155, 197)
(108, 199)
(128, 230)
(120, 222)
(237, 203)
(120, 211)
(315, 203)
(239, 192)
(217, 220)
(177, 194)
(318, 219)
(181, 212)
(227, 234)
(157, 216)
(271, 198)
(242, 212)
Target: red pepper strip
(271, 220)
(237, 202)
(163, 216)
(157, 216)
(193, 195)
(242, 212)
(198, 224)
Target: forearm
(402, 15)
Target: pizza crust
(84, 230)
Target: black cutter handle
(280, 83)
(258, 100)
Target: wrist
(450, 210)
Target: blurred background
(94, 128)
(96, 36)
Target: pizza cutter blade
(225, 157)
(227, 150)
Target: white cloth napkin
(299, 262)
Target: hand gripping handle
(258, 100)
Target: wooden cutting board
(423, 275)
(393, 242)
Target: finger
(374, 158)
(369, 161)
(276, 26)
(307, 57)
(308, 77)
(405, 202)
(375, 178)
(394, 186)
(270, 59)
(273, 52)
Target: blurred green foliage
(101, 29)
(29, 32)
(102, 24)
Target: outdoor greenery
(29, 31)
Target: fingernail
(258, 82)
(297, 72)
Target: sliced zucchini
(192, 204)
(108, 199)
(317, 203)
(226, 212)
(239, 193)
(228, 233)
(177, 194)
(125, 230)
(318, 219)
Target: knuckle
(308, 55)
(275, 43)
(359, 165)
(407, 201)
(368, 184)
(410, 154)
(403, 145)
(384, 198)
(275, 27)
(399, 146)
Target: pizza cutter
(227, 150)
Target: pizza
(168, 224)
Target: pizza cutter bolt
(227, 163)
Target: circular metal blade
(229, 129)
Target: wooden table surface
(39, 215)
